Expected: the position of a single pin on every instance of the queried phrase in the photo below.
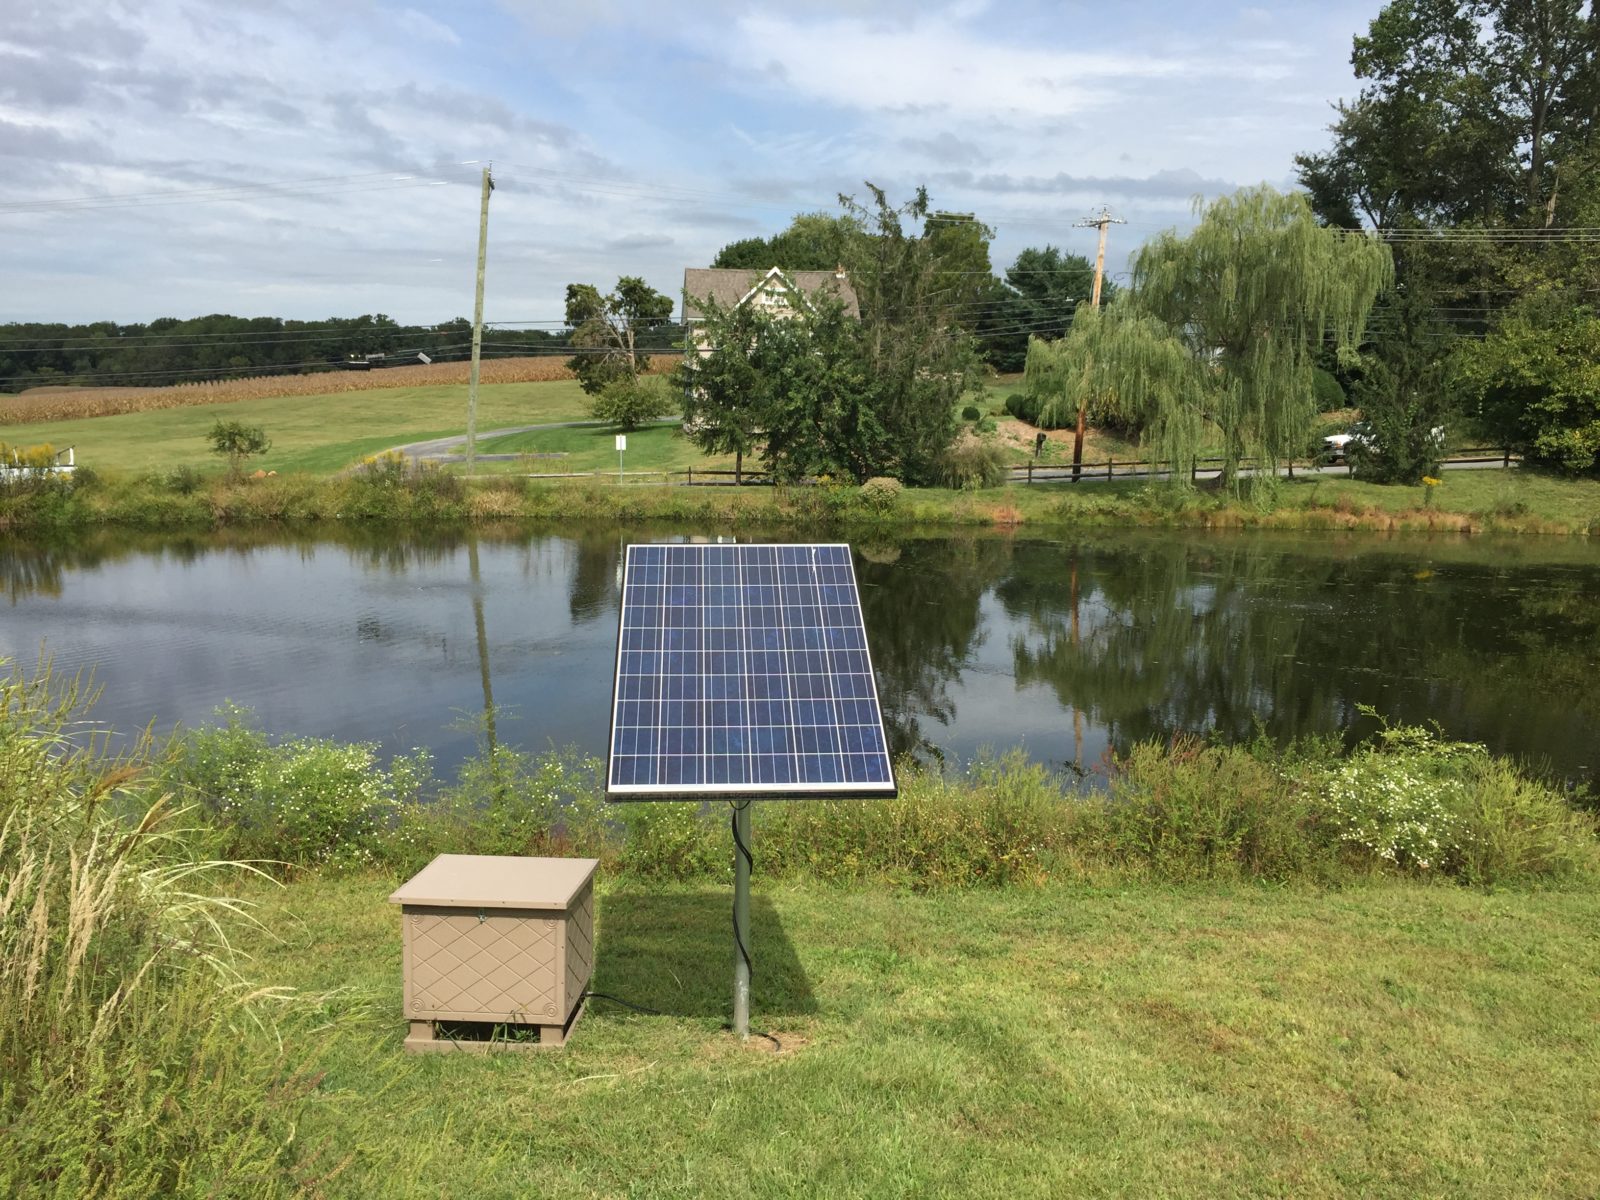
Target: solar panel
(743, 670)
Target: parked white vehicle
(1336, 446)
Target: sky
(318, 158)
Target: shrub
(1023, 406)
(881, 494)
(971, 412)
(676, 841)
(972, 464)
(184, 480)
(1404, 797)
(1003, 823)
(632, 401)
(392, 468)
(236, 441)
(507, 802)
(42, 455)
(304, 802)
(987, 425)
(1191, 811)
(1516, 828)
(821, 502)
(1326, 391)
(395, 471)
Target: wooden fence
(1034, 472)
(1037, 472)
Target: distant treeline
(170, 351)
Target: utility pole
(1104, 221)
(477, 324)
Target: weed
(126, 1072)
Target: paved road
(1059, 474)
(444, 450)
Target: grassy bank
(1238, 971)
(1393, 1039)
(1515, 501)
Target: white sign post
(622, 444)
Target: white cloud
(938, 65)
(637, 147)
(425, 27)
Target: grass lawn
(317, 434)
(659, 447)
(322, 435)
(1383, 1040)
(1495, 492)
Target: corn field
(69, 403)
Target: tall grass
(129, 1064)
(185, 499)
(1406, 803)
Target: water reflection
(1069, 648)
(922, 611)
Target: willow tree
(1254, 291)
(1122, 365)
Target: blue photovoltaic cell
(743, 670)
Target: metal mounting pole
(741, 921)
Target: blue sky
(627, 137)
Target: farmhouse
(778, 291)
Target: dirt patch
(1018, 435)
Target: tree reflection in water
(1115, 636)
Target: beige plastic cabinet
(497, 940)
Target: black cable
(750, 863)
(625, 1003)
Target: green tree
(798, 384)
(1125, 368)
(723, 405)
(607, 330)
(1536, 380)
(1037, 298)
(1254, 291)
(963, 275)
(823, 407)
(812, 242)
(919, 355)
(237, 441)
(1403, 389)
(1471, 111)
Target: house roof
(730, 287)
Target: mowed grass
(316, 434)
(1384, 1040)
(658, 447)
(1492, 492)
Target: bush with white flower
(1406, 796)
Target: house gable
(774, 288)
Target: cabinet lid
(496, 881)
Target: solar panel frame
(701, 684)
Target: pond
(1066, 648)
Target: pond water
(1063, 647)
